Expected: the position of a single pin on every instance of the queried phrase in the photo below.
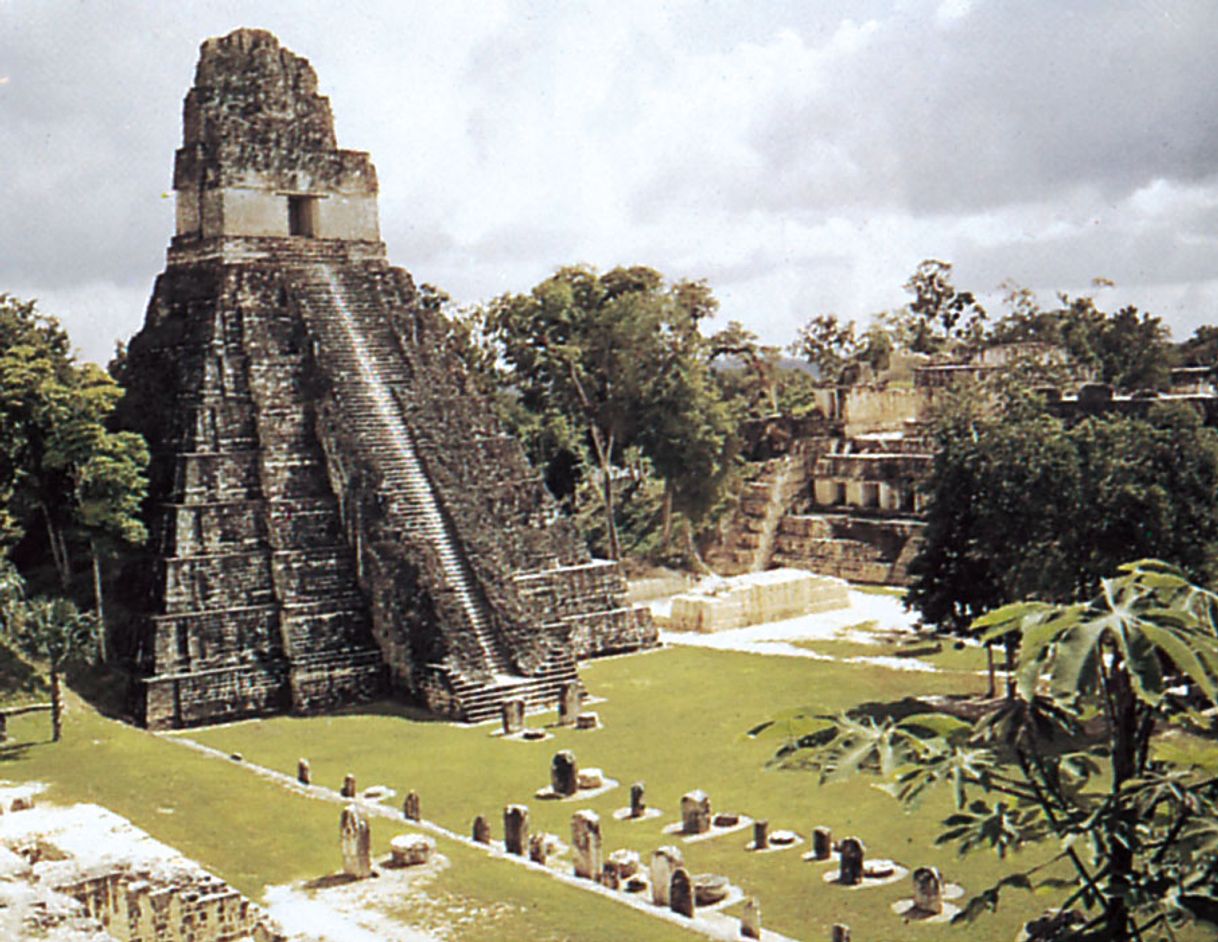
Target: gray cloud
(801, 156)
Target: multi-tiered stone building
(334, 510)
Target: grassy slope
(675, 719)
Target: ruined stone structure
(842, 500)
(333, 508)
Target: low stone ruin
(356, 839)
(81, 872)
(753, 599)
(589, 720)
(539, 847)
(411, 850)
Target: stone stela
(695, 812)
(356, 839)
(516, 829)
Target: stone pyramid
(335, 512)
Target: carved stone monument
(928, 890)
(586, 844)
(516, 829)
(481, 830)
(304, 774)
(850, 861)
(664, 862)
(356, 840)
(570, 702)
(695, 812)
(564, 773)
(681, 893)
(513, 717)
(822, 843)
(638, 800)
(410, 807)
(750, 918)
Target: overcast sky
(800, 156)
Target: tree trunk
(667, 535)
(56, 706)
(989, 663)
(615, 551)
(59, 550)
(1009, 667)
(97, 597)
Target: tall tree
(61, 468)
(1021, 505)
(612, 352)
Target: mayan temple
(335, 512)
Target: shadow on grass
(15, 752)
(329, 880)
(394, 708)
(105, 687)
(19, 681)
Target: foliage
(1067, 760)
(61, 469)
(1128, 349)
(621, 357)
(1021, 505)
(51, 630)
(830, 346)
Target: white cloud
(803, 157)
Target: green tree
(612, 353)
(62, 468)
(55, 632)
(1069, 759)
(830, 346)
(1020, 504)
(1129, 349)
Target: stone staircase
(838, 545)
(358, 347)
(749, 542)
(480, 701)
(348, 323)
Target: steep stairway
(368, 361)
(347, 319)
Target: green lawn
(676, 719)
